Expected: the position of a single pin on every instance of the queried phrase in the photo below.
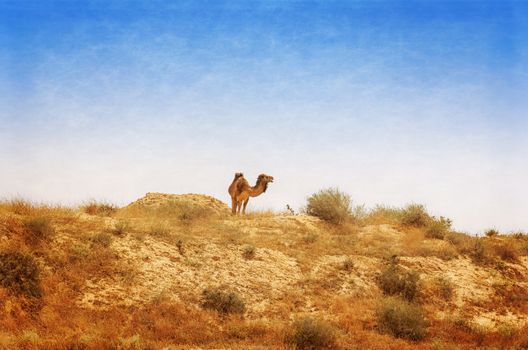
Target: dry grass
(99, 208)
(333, 278)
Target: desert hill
(178, 271)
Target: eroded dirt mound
(159, 201)
(161, 268)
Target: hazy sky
(392, 101)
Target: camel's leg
(239, 207)
(245, 205)
(233, 205)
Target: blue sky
(391, 101)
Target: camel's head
(264, 179)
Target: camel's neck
(258, 189)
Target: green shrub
(311, 334)
(222, 301)
(248, 251)
(401, 319)
(20, 273)
(330, 205)
(438, 228)
(394, 280)
(39, 228)
(415, 215)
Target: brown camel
(240, 191)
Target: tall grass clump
(20, 206)
(401, 319)
(330, 205)
(99, 209)
(311, 334)
(20, 273)
(381, 214)
(222, 301)
(394, 280)
(38, 229)
(414, 215)
(507, 251)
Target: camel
(240, 191)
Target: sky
(393, 102)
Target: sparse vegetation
(437, 228)
(311, 334)
(402, 319)
(415, 215)
(330, 205)
(348, 265)
(100, 209)
(160, 230)
(121, 227)
(20, 273)
(38, 229)
(479, 252)
(491, 233)
(89, 280)
(383, 214)
(394, 280)
(101, 238)
(310, 238)
(248, 251)
(222, 301)
(445, 288)
(507, 251)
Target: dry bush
(223, 301)
(160, 230)
(507, 251)
(491, 233)
(255, 331)
(38, 229)
(415, 215)
(402, 319)
(445, 288)
(330, 205)
(394, 280)
(383, 215)
(99, 209)
(102, 238)
(437, 228)
(19, 206)
(20, 273)
(347, 265)
(480, 252)
(311, 334)
(248, 251)
(121, 227)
